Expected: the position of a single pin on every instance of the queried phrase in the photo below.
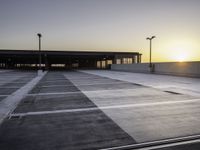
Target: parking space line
(55, 93)
(56, 86)
(99, 77)
(14, 87)
(19, 82)
(50, 81)
(3, 95)
(82, 91)
(105, 107)
(113, 83)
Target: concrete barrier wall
(143, 67)
(191, 69)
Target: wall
(191, 69)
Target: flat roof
(57, 52)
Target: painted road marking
(106, 107)
(84, 91)
(55, 93)
(3, 95)
(89, 84)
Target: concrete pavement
(16, 85)
(147, 122)
(105, 110)
(41, 122)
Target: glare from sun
(180, 54)
(181, 58)
(181, 50)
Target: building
(11, 59)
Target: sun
(181, 50)
(180, 54)
(180, 57)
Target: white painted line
(5, 71)
(57, 86)
(3, 95)
(50, 81)
(114, 90)
(107, 83)
(18, 82)
(160, 143)
(55, 93)
(106, 107)
(113, 83)
(14, 87)
(54, 112)
(84, 78)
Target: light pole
(40, 59)
(150, 39)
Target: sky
(104, 25)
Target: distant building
(65, 59)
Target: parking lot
(101, 110)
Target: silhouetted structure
(150, 39)
(66, 59)
(40, 58)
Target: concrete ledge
(8, 104)
(188, 69)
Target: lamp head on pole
(39, 35)
(150, 38)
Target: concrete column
(138, 58)
(133, 60)
(114, 61)
(122, 61)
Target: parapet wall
(191, 69)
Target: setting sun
(180, 54)
(181, 50)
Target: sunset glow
(181, 56)
(104, 25)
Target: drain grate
(171, 92)
(15, 117)
(29, 101)
(138, 84)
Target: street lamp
(150, 39)
(39, 35)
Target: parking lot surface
(10, 81)
(103, 110)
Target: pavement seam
(158, 143)
(171, 144)
(8, 104)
